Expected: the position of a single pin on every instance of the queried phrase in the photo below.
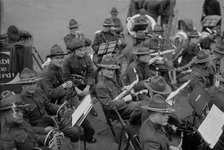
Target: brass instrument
(128, 89)
(54, 139)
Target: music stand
(199, 99)
(140, 27)
(211, 21)
(106, 48)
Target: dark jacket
(143, 72)
(118, 25)
(211, 7)
(52, 79)
(39, 106)
(200, 77)
(217, 94)
(81, 66)
(69, 40)
(106, 91)
(19, 136)
(153, 137)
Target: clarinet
(122, 94)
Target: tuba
(131, 20)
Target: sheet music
(174, 93)
(211, 127)
(82, 109)
(107, 47)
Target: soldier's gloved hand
(48, 128)
(67, 85)
(86, 90)
(79, 92)
(127, 98)
(174, 148)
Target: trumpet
(128, 89)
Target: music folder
(199, 99)
(82, 110)
(211, 20)
(212, 127)
(106, 48)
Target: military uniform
(80, 66)
(16, 133)
(117, 25)
(53, 78)
(106, 91)
(38, 105)
(153, 136)
(69, 40)
(102, 37)
(20, 137)
(217, 94)
(200, 77)
(143, 72)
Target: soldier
(16, 133)
(118, 27)
(104, 36)
(156, 85)
(80, 63)
(109, 87)
(218, 51)
(217, 94)
(40, 106)
(209, 8)
(57, 88)
(141, 64)
(75, 34)
(138, 41)
(202, 72)
(141, 20)
(152, 133)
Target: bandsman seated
(57, 88)
(16, 133)
(152, 133)
(109, 86)
(40, 106)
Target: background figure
(211, 7)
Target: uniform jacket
(153, 137)
(200, 77)
(39, 106)
(52, 78)
(81, 66)
(19, 137)
(107, 90)
(118, 25)
(217, 94)
(143, 72)
(211, 7)
(69, 40)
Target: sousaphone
(130, 22)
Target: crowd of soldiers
(131, 85)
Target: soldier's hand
(48, 128)
(86, 90)
(127, 98)
(79, 92)
(174, 148)
(67, 85)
